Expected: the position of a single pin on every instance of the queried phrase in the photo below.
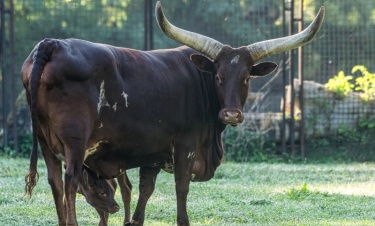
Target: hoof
(128, 224)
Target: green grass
(240, 194)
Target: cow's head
(99, 193)
(233, 67)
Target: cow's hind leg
(54, 169)
(147, 179)
(126, 191)
(74, 150)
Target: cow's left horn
(267, 48)
(199, 42)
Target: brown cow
(114, 108)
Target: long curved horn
(199, 42)
(267, 48)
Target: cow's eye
(246, 81)
(103, 194)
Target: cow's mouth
(108, 209)
(234, 124)
(114, 209)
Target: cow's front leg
(183, 167)
(147, 180)
(103, 218)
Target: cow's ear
(203, 63)
(86, 179)
(263, 68)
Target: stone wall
(325, 113)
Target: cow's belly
(110, 162)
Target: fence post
(291, 83)
(12, 76)
(301, 79)
(290, 63)
(11, 84)
(3, 79)
(148, 20)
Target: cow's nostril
(232, 114)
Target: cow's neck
(212, 127)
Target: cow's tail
(41, 57)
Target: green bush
(366, 83)
(347, 145)
(340, 84)
(249, 146)
(24, 146)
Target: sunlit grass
(239, 194)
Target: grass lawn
(240, 194)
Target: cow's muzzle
(231, 117)
(114, 209)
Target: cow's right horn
(267, 48)
(199, 42)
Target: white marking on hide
(61, 157)
(235, 59)
(91, 150)
(114, 106)
(126, 98)
(101, 125)
(102, 100)
(191, 155)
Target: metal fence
(346, 39)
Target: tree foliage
(121, 22)
(346, 38)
